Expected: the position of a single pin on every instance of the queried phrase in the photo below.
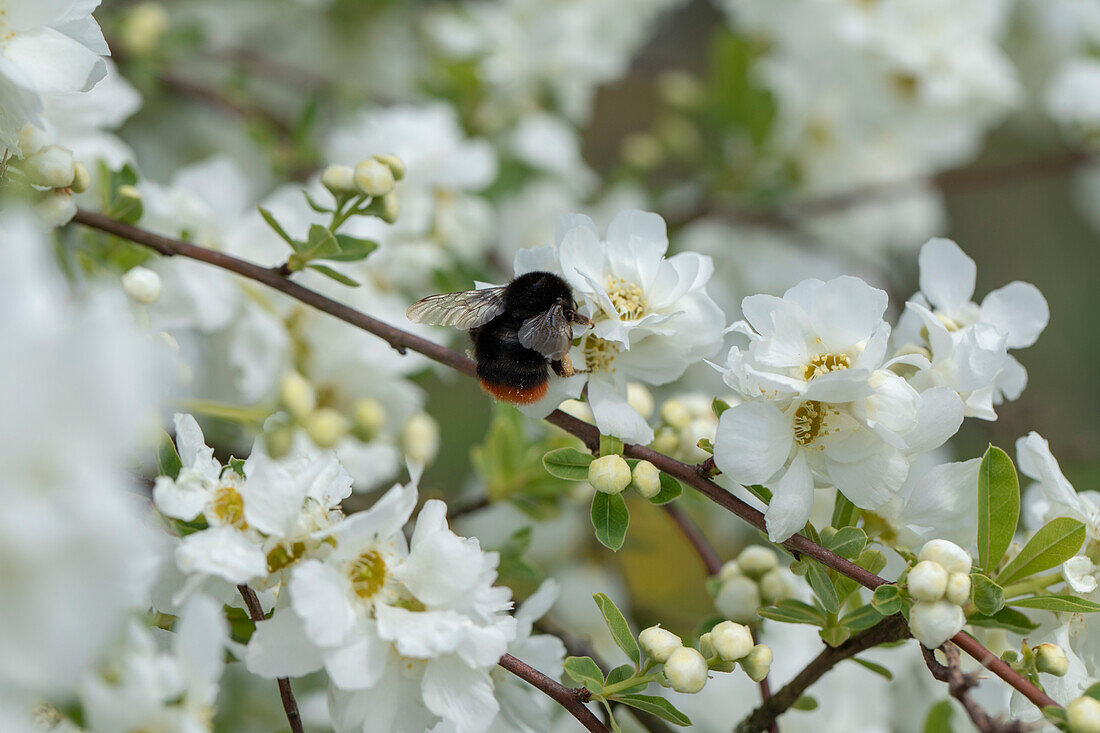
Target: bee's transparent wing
(465, 310)
(548, 333)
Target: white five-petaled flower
(652, 315)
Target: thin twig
(572, 700)
(694, 535)
(400, 340)
(290, 705)
(892, 628)
(959, 686)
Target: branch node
(583, 694)
(282, 270)
(707, 469)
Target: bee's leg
(564, 367)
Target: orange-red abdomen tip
(515, 395)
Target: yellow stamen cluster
(627, 298)
(810, 422)
(599, 354)
(367, 574)
(825, 363)
(228, 507)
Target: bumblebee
(520, 331)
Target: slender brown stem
(290, 705)
(695, 537)
(765, 695)
(959, 686)
(400, 340)
(572, 700)
(892, 628)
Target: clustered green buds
(751, 580)
(940, 585)
(722, 647)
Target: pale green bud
(642, 150)
(1051, 658)
(370, 415)
(758, 662)
(32, 139)
(52, 166)
(373, 178)
(420, 438)
(81, 178)
(666, 441)
(730, 570)
(326, 427)
(395, 164)
(675, 413)
(658, 643)
(141, 284)
(143, 27)
(298, 395)
(1083, 715)
(640, 398)
(775, 587)
(755, 560)
(609, 474)
(739, 599)
(953, 558)
(732, 641)
(686, 670)
(927, 581)
(958, 588)
(339, 179)
(646, 479)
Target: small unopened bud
(640, 398)
(675, 413)
(934, 623)
(141, 284)
(1051, 658)
(927, 581)
(277, 442)
(755, 560)
(326, 427)
(732, 641)
(642, 150)
(32, 139)
(395, 164)
(775, 587)
(420, 438)
(56, 207)
(339, 179)
(577, 409)
(958, 588)
(1083, 715)
(370, 415)
(666, 441)
(729, 570)
(387, 208)
(758, 662)
(128, 196)
(81, 178)
(686, 670)
(739, 599)
(646, 479)
(298, 395)
(609, 474)
(373, 178)
(953, 558)
(659, 643)
(52, 166)
(143, 27)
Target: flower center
(628, 298)
(599, 354)
(825, 363)
(367, 574)
(808, 419)
(284, 554)
(228, 507)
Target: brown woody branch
(290, 705)
(959, 686)
(572, 700)
(402, 340)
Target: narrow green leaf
(791, 611)
(887, 599)
(1063, 603)
(876, 668)
(719, 406)
(804, 704)
(845, 513)
(670, 489)
(654, 705)
(619, 674)
(610, 517)
(313, 204)
(168, 458)
(1008, 619)
(278, 229)
(1093, 691)
(1056, 541)
(352, 249)
(998, 506)
(763, 493)
(337, 276)
(586, 672)
(610, 445)
(567, 463)
(1057, 715)
(988, 597)
(848, 542)
(322, 243)
(861, 618)
(939, 718)
(822, 586)
(617, 625)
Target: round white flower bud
(758, 662)
(775, 587)
(373, 178)
(1083, 715)
(953, 558)
(420, 438)
(1051, 658)
(706, 646)
(667, 441)
(141, 284)
(936, 622)
(395, 164)
(755, 560)
(81, 178)
(326, 427)
(52, 166)
(370, 415)
(386, 208)
(143, 27)
(927, 581)
(686, 670)
(609, 474)
(298, 395)
(732, 641)
(675, 413)
(729, 570)
(32, 139)
(646, 479)
(658, 643)
(958, 588)
(56, 207)
(739, 599)
(339, 179)
(640, 398)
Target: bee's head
(569, 308)
(535, 292)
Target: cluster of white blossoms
(940, 585)
(827, 403)
(753, 579)
(652, 315)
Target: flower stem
(1031, 585)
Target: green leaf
(845, 513)
(619, 674)
(1056, 541)
(791, 611)
(319, 208)
(861, 618)
(871, 560)
(822, 586)
(848, 542)
(670, 489)
(1057, 715)
(278, 229)
(1093, 691)
(988, 597)
(568, 463)
(620, 630)
(1008, 619)
(876, 668)
(1063, 603)
(168, 458)
(998, 506)
(939, 718)
(584, 671)
(610, 445)
(887, 599)
(805, 703)
(654, 705)
(763, 493)
(719, 406)
(321, 243)
(337, 276)
(834, 635)
(610, 517)
(352, 249)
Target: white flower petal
(1018, 309)
(460, 694)
(179, 500)
(752, 442)
(846, 311)
(792, 500)
(221, 551)
(280, 648)
(319, 595)
(947, 275)
(358, 664)
(872, 482)
(614, 415)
